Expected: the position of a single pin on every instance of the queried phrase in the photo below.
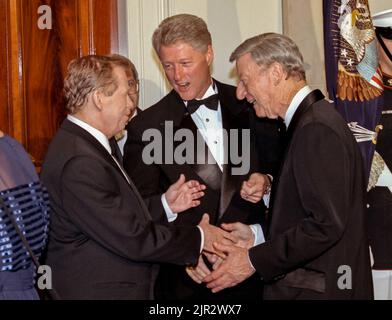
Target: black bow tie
(211, 103)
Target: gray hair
(125, 63)
(182, 27)
(267, 48)
(93, 72)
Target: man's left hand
(255, 187)
(183, 195)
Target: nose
(241, 91)
(178, 73)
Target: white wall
(303, 22)
(379, 5)
(229, 21)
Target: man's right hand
(199, 272)
(214, 234)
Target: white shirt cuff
(202, 239)
(258, 233)
(266, 199)
(171, 216)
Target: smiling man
(201, 105)
(317, 246)
(103, 239)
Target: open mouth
(183, 86)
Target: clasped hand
(231, 265)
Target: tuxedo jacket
(221, 200)
(103, 242)
(317, 248)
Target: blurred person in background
(24, 212)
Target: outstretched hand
(183, 195)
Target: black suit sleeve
(147, 178)
(155, 208)
(321, 169)
(102, 209)
(267, 136)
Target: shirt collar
(210, 91)
(94, 132)
(294, 104)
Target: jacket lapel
(310, 99)
(202, 163)
(75, 129)
(231, 114)
(227, 183)
(222, 182)
(304, 106)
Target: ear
(277, 73)
(209, 54)
(96, 97)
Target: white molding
(122, 27)
(165, 9)
(143, 17)
(230, 22)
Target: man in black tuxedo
(103, 241)
(203, 107)
(317, 247)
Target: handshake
(226, 249)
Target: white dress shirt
(209, 124)
(294, 104)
